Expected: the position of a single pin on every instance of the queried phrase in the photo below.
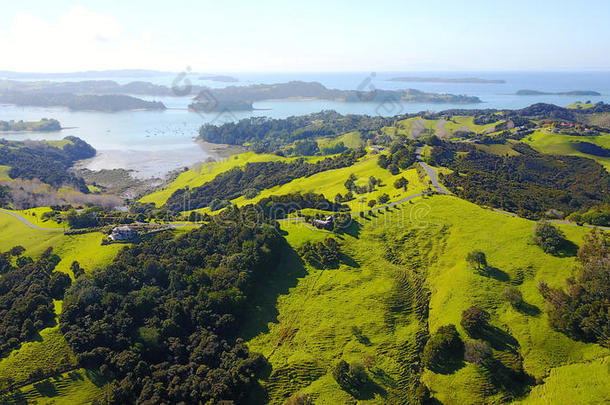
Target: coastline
(219, 150)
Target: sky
(316, 36)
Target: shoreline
(219, 150)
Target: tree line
(255, 176)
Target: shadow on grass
(505, 379)
(498, 339)
(567, 249)
(449, 366)
(528, 309)
(384, 377)
(46, 388)
(345, 259)
(495, 273)
(367, 391)
(353, 229)
(263, 308)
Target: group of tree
(162, 321)
(280, 206)
(582, 309)
(369, 187)
(443, 348)
(27, 291)
(401, 182)
(598, 216)
(402, 155)
(325, 254)
(351, 377)
(529, 184)
(549, 238)
(257, 176)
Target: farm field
(346, 313)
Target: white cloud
(78, 40)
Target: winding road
(430, 171)
(28, 223)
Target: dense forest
(529, 184)
(162, 320)
(263, 134)
(27, 291)
(256, 177)
(50, 164)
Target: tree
(582, 311)
(442, 348)
(383, 161)
(58, 284)
(350, 182)
(341, 373)
(17, 251)
(394, 169)
(401, 182)
(549, 238)
(372, 203)
(477, 259)
(77, 271)
(513, 296)
(478, 352)
(474, 320)
(351, 377)
(384, 198)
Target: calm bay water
(154, 142)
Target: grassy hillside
(199, 176)
(555, 144)
(51, 352)
(351, 140)
(331, 182)
(443, 128)
(371, 309)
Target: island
(561, 93)
(77, 102)
(475, 80)
(44, 125)
(219, 78)
(240, 98)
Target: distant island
(561, 93)
(44, 125)
(240, 98)
(105, 103)
(91, 74)
(415, 79)
(219, 78)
